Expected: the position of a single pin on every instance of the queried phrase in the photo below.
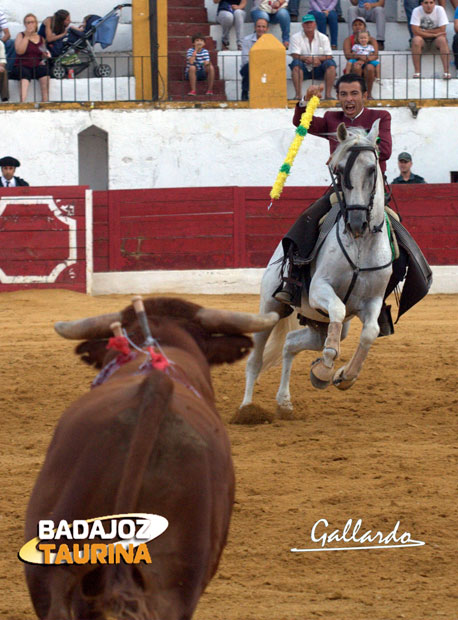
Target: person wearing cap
(405, 168)
(372, 11)
(312, 57)
(366, 70)
(8, 166)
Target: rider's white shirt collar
(355, 117)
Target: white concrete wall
(15, 11)
(207, 147)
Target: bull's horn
(93, 327)
(229, 322)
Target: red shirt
(331, 120)
(32, 56)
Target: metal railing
(108, 77)
(123, 77)
(396, 76)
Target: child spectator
(363, 52)
(198, 65)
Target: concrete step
(426, 88)
(175, 43)
(90, 89)
(178, 90)
(194, 15)
(176, 29)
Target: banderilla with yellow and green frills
(301, 132)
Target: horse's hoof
(251, 414)
(340, 382)
(285, 411)
(320, 375)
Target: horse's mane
(356, 135)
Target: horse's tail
(272, 355)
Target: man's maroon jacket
(331, 120)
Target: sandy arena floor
(385, 451)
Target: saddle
(409, 263)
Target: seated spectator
(274, 12)
(293, 10)
(364, 54)
(406, 176)
(4, 92)
(367, 70)
(455, 39)
(30, 63)
(5, 37)
(428, 24)
(8, 167)
(312, 57)
(198, 65)
(372, 11)
(54, 29)
(325, 13)
(260, 28)
(231, 14)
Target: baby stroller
(78, 53)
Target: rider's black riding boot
(385, 321)
(292, 284)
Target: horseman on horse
(340, 258)
(303, 240)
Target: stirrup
(284, 296)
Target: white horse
(349, 277)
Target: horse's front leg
(323, 297)
(346, 376)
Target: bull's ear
(342, 133)
(373, 134)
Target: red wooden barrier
(42, 238)
(227, 227)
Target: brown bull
(143, 441)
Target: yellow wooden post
(267, 73)
(141, 49)
(162, 25)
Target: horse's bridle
(345, 176)
(354, 152)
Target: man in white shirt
(260, 27)
(428, 23)
(312, 57)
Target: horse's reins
(355, 151)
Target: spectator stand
(396, 61)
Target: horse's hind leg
(296, 341)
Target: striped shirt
(3, 21)
(202, 57)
